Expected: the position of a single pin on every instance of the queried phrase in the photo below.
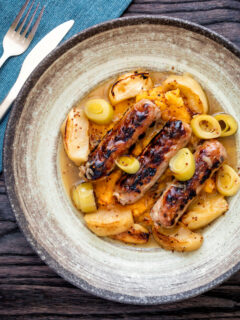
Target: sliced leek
(205, 127)
(183, 165)
(229, 124)
(99, 111)
(128, 164)
(228, 181)
(83, 197)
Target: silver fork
(15, 41)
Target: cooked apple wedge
(137, 234)
(129, 85)
(206, 208)
(178, 238)
(109, 222)
(192, 92)
(75, 136)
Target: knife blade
(36, 55)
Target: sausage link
(178, 196)
(120, 138)
(153, 161)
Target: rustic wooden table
(30, 290)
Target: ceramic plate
(31, 165)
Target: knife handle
(33, 59)
(5, 105)
(12, 94)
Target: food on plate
(178, 196)
(129, 85)
(147, 160)
(178, 238)
(191, 91)
(75, 136)
(205, 209)
(128, 164)
(120, 138)
(170, 103)
(153, 161)
(229, 124)
(104, 191)
(205, 127)
(150, 133)
(227, 181)
(137, 234)
(99, 111)
(182, 164)
(109, 222)
(83, 197)
(210, 185)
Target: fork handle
(3, 58)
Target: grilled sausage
(120, 138)
(153, 161)
(178, 196)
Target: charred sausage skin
(153, 161)
(120, 138)
(178, 196)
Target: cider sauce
(70, 172)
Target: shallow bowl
(31, 164)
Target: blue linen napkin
(86, 13)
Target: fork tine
(20, 14)
(34, 29)
(25, 18)
(29, 23)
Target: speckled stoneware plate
(31, 166)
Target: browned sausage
(153, 161)
(178, 196)
(120, 138)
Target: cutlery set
(18, 39)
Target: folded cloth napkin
(86, 13)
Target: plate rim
(8, 152)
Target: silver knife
(38, 53)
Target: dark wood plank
(31, 290)
(219, 15)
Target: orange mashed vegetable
(172, 106)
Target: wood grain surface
(31, 290)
